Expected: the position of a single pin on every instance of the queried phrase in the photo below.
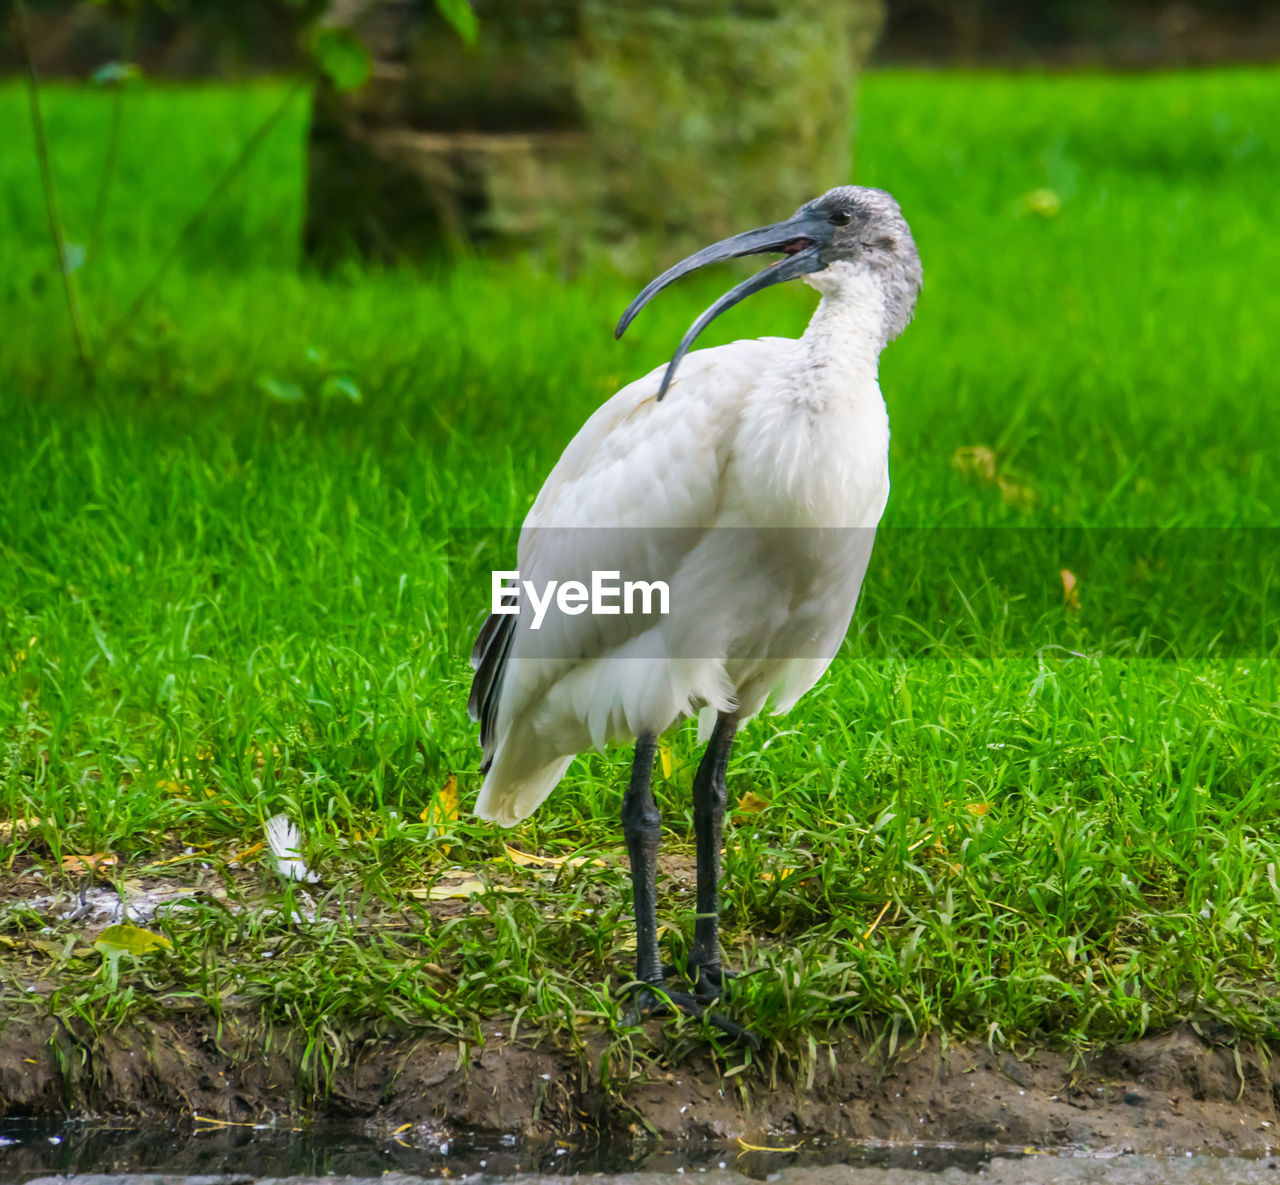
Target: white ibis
(748, 479)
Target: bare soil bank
(1170, 1093)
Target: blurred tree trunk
(582, 125)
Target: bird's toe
(650, 1000)
(710, 981)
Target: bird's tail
(511, 793)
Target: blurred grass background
(1007, 810)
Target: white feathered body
(753, 490)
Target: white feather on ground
(285, 841)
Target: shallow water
(96, 1153)
(326, 1150)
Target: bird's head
(847, 228)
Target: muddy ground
(1171, 1093)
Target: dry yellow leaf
(664, 752)
(95, 862)
(170, 787)
(978, 808)
(751, 804)
(527, 859)
(437, 972)
(12, 828)
(627, 944)
(185, 858)
(443, 807)
(879, 917)
(978, 462)
(252, 850)
(761, 1148)
(1070, 589)
(447, 889)
(459, 883)
(975, 460)
(1017, 494)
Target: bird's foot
(710, 980)
(655, 1000)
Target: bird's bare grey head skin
(849, 224)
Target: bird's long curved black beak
(801, 239)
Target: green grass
(996, 816)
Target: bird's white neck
(846, 332)
(815, 424)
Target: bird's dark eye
(840, 218)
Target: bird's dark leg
(709, 798)
(641, 827)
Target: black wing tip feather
(483, 638)
(489, 658)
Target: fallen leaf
(872, 928)
(251, 850)
(761, 1148)
(459, 883)
(94, 863)
(130, 940)
(978, 461)
(443, 807)
(1017, 494)
(978, 808)
(627, 944)
(54, 950)
(1070, 589)
(664, 752)
(751, 804)
(437, 972)
(11, 829)
(519, 857)
(532, 858)
(781, 875)
(975, 460)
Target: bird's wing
(489, 661)
(632, 493)
(633, 432)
